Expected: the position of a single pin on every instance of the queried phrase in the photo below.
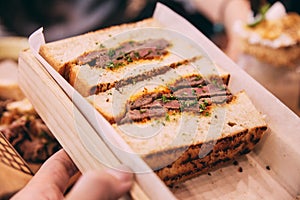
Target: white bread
(173, 147)
(233, 118)
(85, 78)
(55, 52)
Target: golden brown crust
(190, 164)
(46, 54)
(57, 56)
(178, 156)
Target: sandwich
(162, 94)
(273, 36)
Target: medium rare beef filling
(126, 53)
(103, 87)
(189, 94)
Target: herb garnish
(261, 16)
(111, 53)
(164, 99)
(167, 117)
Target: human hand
(51, 180)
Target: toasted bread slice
(57, 56)
(92, 80)
(186, 145)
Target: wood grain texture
(59, 113)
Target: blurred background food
(272, 36)
(270, 42)
(19, 123)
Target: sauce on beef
(189, 94)
(124, 54)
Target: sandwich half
(186, 127)
(163, 95)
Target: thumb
(106, 184)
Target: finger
(57, 170)
(107, 184)
(51, 180)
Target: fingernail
(123, 173)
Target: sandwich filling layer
(187, 94)
(126, 53)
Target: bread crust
(61, 60)
(190, 165)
